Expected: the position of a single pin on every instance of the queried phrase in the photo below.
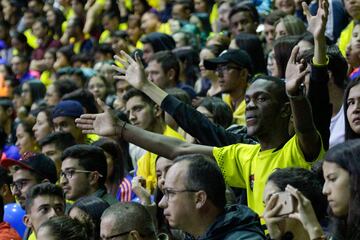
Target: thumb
(306, 10)
(102, 105)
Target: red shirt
(7, 232)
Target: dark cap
(36, 162)
(68, 108)
(236, 56)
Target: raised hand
(317, 23)
(133, 73)
(271, 219)
(305, 213)
(295, 73)
(104, 124)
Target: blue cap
(68, 108)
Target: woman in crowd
(26, 141)
(341, 171)
(89, 210)
(31, 92)
(43, 125)
(352, 110)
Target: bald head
(127, 218)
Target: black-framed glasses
(68, 174)
(116, 235)
(18, 185)
(168, 192)
(226, 68)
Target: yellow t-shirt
(345, 37)
(45, 78)
(146, 165)
(32, 236)
(245, 166)
(239, 112)
(31, 39)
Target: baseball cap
(236, 56)
(67, 108)
(37, 162)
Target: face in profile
(336, 188)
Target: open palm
(104, 124)
(317, 23)
(133, 71)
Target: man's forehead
(70, 163)
(47, 199)
(260, 85)
(176, 174)
(61, 119)
(21, 173)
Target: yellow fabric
(146, 165)
(45, 78)
(31, 39)
(154, 4)
(101, 2)
(77, 45)
(139, 45)
(165, 28)
(239, 112)
(68, 13)
(214, 15)
(32, 236)
(345, 38)
(241, 162)
(90, 138)
(105, 35)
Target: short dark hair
(274, 16)
(64, 86)
(85, 97)
(132, 92)
(220, 110)
(280, 86)
(91, 158)
(307, 182)
(64, 227)
(62, 140)
(167, 61)
(40, 190)
(94, 208)
(131, 216)
(245, 7)
(199, 169)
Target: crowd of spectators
(179, 119)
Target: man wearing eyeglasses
(127, 220)
(233, 68)
(195, 203)
(30, 170)
(84, 172)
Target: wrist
(316, 232)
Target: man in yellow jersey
(145, 114)
(269, 104)
(233, 68)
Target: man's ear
(158, 111)
(200, 199)
(171, 74)
(134, 235)
(27, 221)
(94, 178)
(285, 110)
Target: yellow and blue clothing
(246, 166)
(146, 165)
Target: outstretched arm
(318, 93)
(192, 121)
(309, 140)
(107, 124)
